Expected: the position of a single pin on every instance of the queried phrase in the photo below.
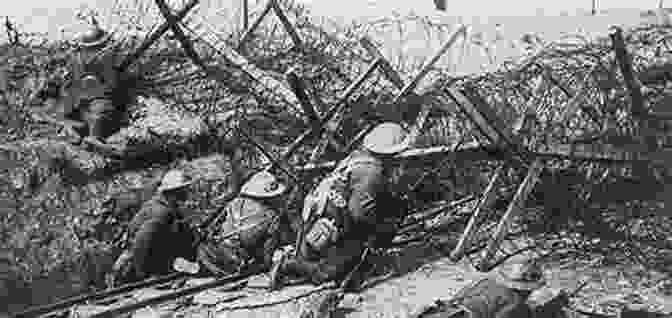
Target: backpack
(335, 188)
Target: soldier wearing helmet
(503, 296)
(157, 232)
(347, 211)
(92, 83)
(249, 231)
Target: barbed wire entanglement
(194, 113)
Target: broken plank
(385, 67)
(289, 28)
(484, 203)
(514, 208)
(272, 85)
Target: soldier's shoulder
(365, 163)
(246, 204)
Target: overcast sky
(516, 16)
(41, 15)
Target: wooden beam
(486, 201)
(514, 208)
(625, 64)
(415, 81)
(385, 67)
(410, 86)
(473, 114)
(248, 33)
(472, 151)
(289, 28)
(246, 14)
(334, 110)
(272, 85)
(128, 61)
(298, 86)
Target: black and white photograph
(335, 159)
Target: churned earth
(415, 277)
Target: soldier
(351, 209)
(249, 231)
(93, 79)
(502, 296)
(158, 232)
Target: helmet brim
(389, 150)
(96, 43)
(258, 192)
(174, 186)
(506, 281)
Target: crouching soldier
(502, 296)
(249, 230)
(92, 85)
(158, 233)
(347, 212)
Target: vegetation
(50, 189)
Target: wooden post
(410, 86)
(486, 201)
(385, 67)
(514, 208)
(336, 109)
(272, 85)
(248, 32)
(299, 88)
(286, 24)
(155, 36)
(246, 15)
(625, 64)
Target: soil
(417, 276)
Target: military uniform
(92, 85)
(158, 237)
(348, 211)
(496, 297)
(158, 234)
(249, 232)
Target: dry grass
(47, 233)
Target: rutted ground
(425, 275)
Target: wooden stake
(248, 32)
(128, 61)
(246, 15)
(486, 201)
(625, 64)
(272, 85)
(385, 67)
(298, 86)
(514, 208)
(336, 109)
(410, 86)
(286, 24)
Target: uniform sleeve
(157, 219)
(515, 311)
(366, 183)
(271, 243)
